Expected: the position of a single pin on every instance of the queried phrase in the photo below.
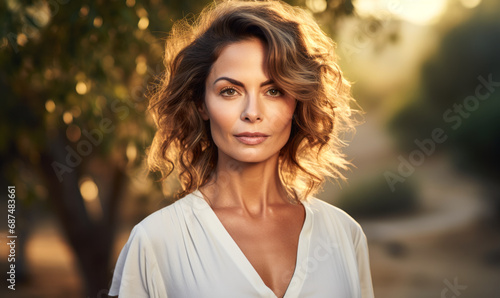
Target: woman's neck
(250, 187)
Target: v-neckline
(244, 264)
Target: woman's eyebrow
(232, 81)
(268, 82)
(238, 83)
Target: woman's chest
(270, 245)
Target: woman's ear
(202, 109)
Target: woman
(250, 111)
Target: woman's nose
(252, 110)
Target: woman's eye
(228, 92)
(274, 92)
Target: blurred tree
(460, 93)
(371, 198)
(73, 78)
(329, 13)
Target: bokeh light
(316, 6)
(50, 106)
(97, 22)
(22, 39)
(131, 152)
(130, 3)
(141, 66)
(67, 117)
(89, 189)
(84, 11)
(143, 23)
(81, 88)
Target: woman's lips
(251, 138)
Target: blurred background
(74, 76)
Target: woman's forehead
(243, 59)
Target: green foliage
(373, 198)
(83, 63)
(450, 81)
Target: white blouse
(183, 250)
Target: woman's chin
(252, 158)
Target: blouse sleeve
(136, 272)
(364, 265)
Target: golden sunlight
(422, 12)
(470, 3)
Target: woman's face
(250, 117)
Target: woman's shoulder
(329, 213)
(167, 221)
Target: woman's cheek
(222, 120)
(281, 120)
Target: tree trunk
(92, 241)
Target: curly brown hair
(301, 60)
